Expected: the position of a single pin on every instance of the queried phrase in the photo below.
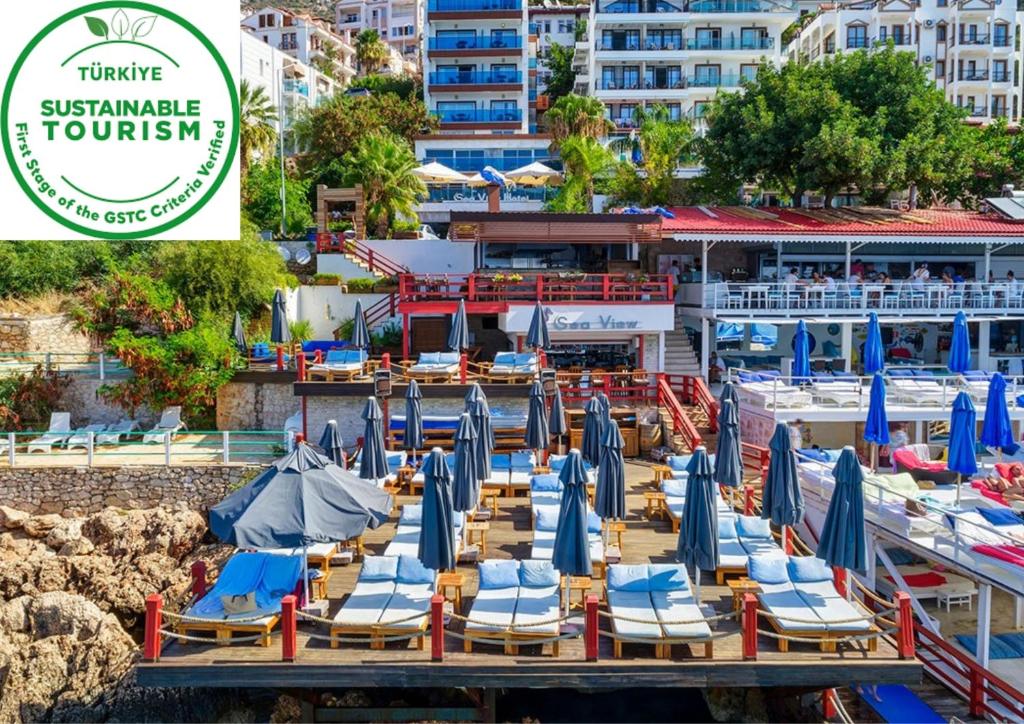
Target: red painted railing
(982, 689)
(535, 287)
(681, 423)
(634, 394)
(376, 262)
(698, 394)
(756, 457)
(381, 311)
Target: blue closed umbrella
(590, 443)
(480, 411)
(330, 443)
(373, 462)
(537, 336)
(960, 347)
(729, 393)
(876, 426)
(458, 335)
(843, 542)
(413, 436)
(801, 354)
(238, 336)
(466, 481)
(571, 555)
(557, 424)
(962, 427)
(698, 533)
(610, 496)
(437, 537)
(279, 332)
(537, 419)
(606, 409)
(360, 332)
(995, 429)
(874, 352)
(728, 452)
(782, 502)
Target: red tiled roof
(836, 222)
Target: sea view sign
(120, 120)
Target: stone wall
(74, 491)
(82, 400)
(51, 333)
(256, 405)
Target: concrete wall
(79, 491)
(51, 333)
(326, 307)
(427, 256)
(82, 399)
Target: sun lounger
(57, 434)
(842, 391)
(655, 603)
(545, 490)
(739, 538)
(396, 460)
(925, 582)
(389, 590)
(269, 577)
(915, 388)
(406, 540)
(802, 601)
(520, 464)
(339, 365)
(675, 500)
(906, 460)
(115, 432)
(678, 465)
(557, 462)
(419, 478)
(769, 392)
(545, 522)
(443, 366)
(517, 603)
(514, 367)
(170, 422)
(81, 436)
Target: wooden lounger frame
(224, 630)
(662, 649)
(828, 640)
(511, 639)
(330, 375)
(378, 632)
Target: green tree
(383, 164)
(371, 52)
(325, 61)
(574, 115)
(585, 159)
(404, 86)
(660, 144)
(563, 77)
(262, 192)
(257, 118)
(31, 268)
(841, 155)
(988, 158)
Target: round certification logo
(120, 120)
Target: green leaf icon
(143, 26)
(97, 26)
(120, 24)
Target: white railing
(843, 298)
(851, 392)
(88, 364)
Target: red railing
(962, 675)
(381, 311)
(375, 261)
(681, 422)
(535, 287)
(633, 394)
(757, 458)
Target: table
(453, 580)
(954, 599)
(480, 527)
(318, 585)
(490, 494)
(661, 472)
(655, 503)
(618, 527)
(756, 290)
(869, 290)
(581, 584)
(405, 474)
(740, 587)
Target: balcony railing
(499, 162)
(461, 6)
(975, 111)
(693, 6)
(974, 39)
(296, 86)
(1001, 76)
(477, 77)
(885, 40)
(981, 74)
(692, 44)
(480, 115)
(460, 193)
(620, 288)
(477, 42)
(714, 81)
(855, 43)
(844, 299)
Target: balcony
(1001, 76)
(297, 87)
(479, 115)
(971, 75)
(658, 7)
(856, 43)
(901, 41)
(473, 163)
(478, 42)
(975, 111)
(460, 193)
(774, 299)
(474, 6)
(440, 80)
(974, 40)
(610, 288)
(691, 44)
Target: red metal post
(519, 343)
(787, 540)
(839, 578)
(905, 622)
(668, 288)
(540, 287)
(976, 702)
(280, 358)
(405, 336)
(199, 579)
(385, 361)
(301, 366)
(437, 627)
(288, 643)
(640, 351)
(590, 635)
(748, 500)
(471, 287)
(828, 703)
(605, 287)
(318, 356)
(154, 622)
(463, 368)
(300, 437)
(369, 259)
(749, 623)
(305, 434)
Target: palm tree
(383, 163)
(574, 115)
(658, 147)
(585, 158)
(257, 132)
(371, 52)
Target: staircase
(680, 357)
(360, 256)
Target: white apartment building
(476, 65)
(289, 83)
(554, 24)
(971, 45)
(676, 53)
(303, 37)
(398, 22)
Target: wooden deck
(401, 664)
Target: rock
(67, 531)
(77, 547)
(38, 526)
(11, 518)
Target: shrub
(28, 398)
(361, 285)
(390, 335)
(326, 280)
(301, 330)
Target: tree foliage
(372, 53)
(31, 268)
(405, 87)
(655, 150)
(563, 77)
(257, 117)
(28, 398)
(574, 115)
(383, 165)
(262, 191)
(585, 159)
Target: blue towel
(998, 648)
(271, 577)
(899, 705)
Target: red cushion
(1006, 553)
(988, 492)
(1004, 470)
(909, 459)
(923, 580)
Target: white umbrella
(489, 176)
(535, 174)
(436, 173)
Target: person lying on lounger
(1012, 489)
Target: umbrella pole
(874, 457)
(305, 573)
(696, 584)
(568, 601)
(958, 492)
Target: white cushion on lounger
(673, 601)
(409, 599)
(493, 609)
(829, 606)
(758, 546)
(406, 541)
(543, 545)
(535, 604)
(539, 499)
(782, 599)
(731, 554)
(634, 605)
(519, 479)
(596, 548)
(366, 603)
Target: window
(1000, 72)
(940, 32)
(664, 40)
(352, 18)
(709, 38)
(754, 38)
(707, 76)
(856, 36)
(663, 77)
(942, 3)
(566, 26)
(748, 72)
(1001, 35)
(263, 21)
(940, 69)
(620, 40)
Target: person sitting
(947, 279)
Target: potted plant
(387, 284)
